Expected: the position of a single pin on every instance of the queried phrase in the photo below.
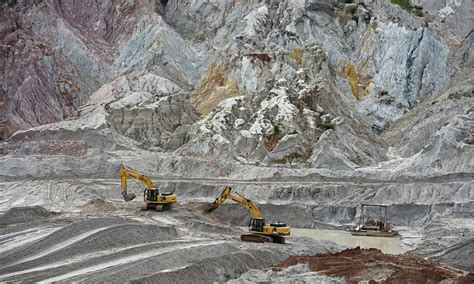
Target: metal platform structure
(374, 227)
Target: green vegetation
(405, 4)
(325, 125)
(272, 139)
(277, 132)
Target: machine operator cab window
(256, 225)
(150, 194)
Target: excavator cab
(150, 194)
(256, 224)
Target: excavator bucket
(219, 200)
(210, 207)
(128, 196)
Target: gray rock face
(274, 74)
(52, 61)
(298, 84)
(456, 14)
(149, 109)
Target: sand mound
(25, 214)
(98, 205)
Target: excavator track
(254, 238)
(278, 239)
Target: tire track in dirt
(91, 259)
(62, 245)
(127, 260)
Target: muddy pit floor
(110, 241)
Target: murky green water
(387, 245)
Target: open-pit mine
(317, 141)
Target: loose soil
(358, 264)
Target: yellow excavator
(152, 197)
(259, 232)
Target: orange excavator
(258, 231)
(152, 197)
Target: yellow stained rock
(360, 84)
(213, 89)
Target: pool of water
(391, 245)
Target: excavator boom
(237, 198)
(259, 231)
(124, 173)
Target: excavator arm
(259, 231)
(124, 173)
(237, 198)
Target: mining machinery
(258, 231)
(152, 197)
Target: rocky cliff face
(456, 14)
(313, 84)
